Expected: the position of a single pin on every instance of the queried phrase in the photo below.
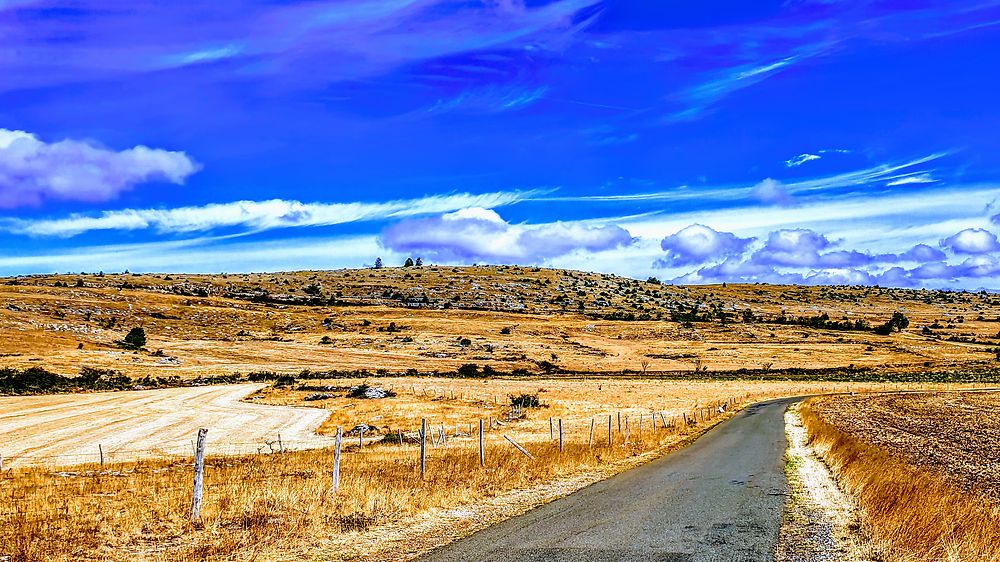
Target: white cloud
(32, 171)
(801, 159)
(771, 192)
(697, 244)
(478, 234)
(914, 179)
(255, 215)
(972, 241)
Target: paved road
(719, 499)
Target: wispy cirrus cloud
(771, 191)
(801, 159)
(32, 170)
(254, 215)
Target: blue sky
(798, 141)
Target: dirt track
(67, 428)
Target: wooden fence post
(519, 448)
(482, 446)
(619, 422)
(609, 430)
(551, 430)
(199, 476)
(281, 446)
(560, 435)
(423, 447)
(336, 458)
(400, 432)
(591, 442)
(100, 451)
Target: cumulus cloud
(771, 192)
(792, 247)
(922, 253)
(972, 241)
(804, 256)
(479, 234)
(32, 171)
(698, 244)
(254, 215)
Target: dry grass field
(66, 429)
(923, 468)
(434, 319)
(588, 346)
(275, 506)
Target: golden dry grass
(911, 513)
(271, 505)
(279, 506)
(224, 332)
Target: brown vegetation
(436, 319)
(919, 468)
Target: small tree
(135, 339)
(378, 263)
(420, 262)
(408, 263)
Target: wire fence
(95, 479)
(38, 487)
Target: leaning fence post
(336, 458)
(423, 447)
(199, 476)
(482, 448)
(100, 451)
(551, 430)
(590, 444)
(519, 448)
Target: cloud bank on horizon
(774, 141)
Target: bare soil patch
(955, 434)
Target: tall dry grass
(910, 514)
(256, 507)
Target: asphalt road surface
(718, 499)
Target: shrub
(525, 400)
(284, 380)
(469, 370)
(135, 339)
